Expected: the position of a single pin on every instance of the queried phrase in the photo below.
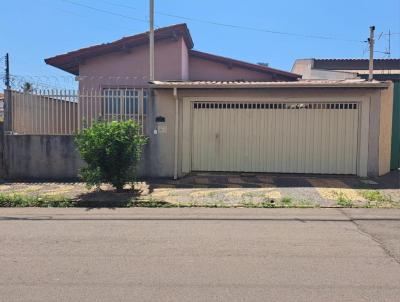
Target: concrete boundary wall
(47, 157)
(33, 157)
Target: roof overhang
(267, 85)
(70, 61)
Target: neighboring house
(215, 114)
(342, 69)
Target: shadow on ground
(262, 180)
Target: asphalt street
(199, 255)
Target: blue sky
(34, 30)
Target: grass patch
(211, 194)
(376, 199)
(287, 201)
(343, 201)
(164, 204)
(21, 200)
(151, 203)
(110, 199)
(217, 204)
(374, 196)
(263, 204)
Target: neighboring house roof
(384, 69)
(70, 61)
(356, 64)
(353, 83)
(233, 62)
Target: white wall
(305, 67)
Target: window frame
(124, 102)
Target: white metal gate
(275, 137)
(66, 112)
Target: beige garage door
(275, 137)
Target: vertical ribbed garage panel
(275, 137)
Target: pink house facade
(209, 113)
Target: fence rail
(65, 112)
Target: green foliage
(343, 201)
(286, 201)
(111, 151)
(375, 199)
(20, 200)
(374, 196)
(27, 87)
(150, 203)
(263, 204)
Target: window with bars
(125, 101)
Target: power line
(104, 26)
(105, 11)
(309, 36)
(234, 26)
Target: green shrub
(111, 151)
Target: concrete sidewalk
(323, 214)
(199, 254)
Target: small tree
(27, 87)
(111, 151)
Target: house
(208, 113)
(342, 69)
(125, 62)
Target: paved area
(199, 255)
(234, 189)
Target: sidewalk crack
(361, 231)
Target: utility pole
(151, 36)
(371, 42)
(7, 79)
(7, 99)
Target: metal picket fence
(65, 112)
